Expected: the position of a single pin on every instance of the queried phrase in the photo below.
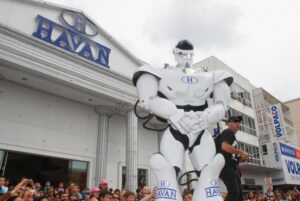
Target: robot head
(184, 52)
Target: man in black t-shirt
(230, 174)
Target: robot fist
(199, 122)
(185, 122)
(189, 123)
(180, 122)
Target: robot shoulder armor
(146, 69)
(220, 75)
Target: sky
(260, 39)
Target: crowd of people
(28, 190)
(276, 195)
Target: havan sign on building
(75, 38)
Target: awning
(258, 168)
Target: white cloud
(208, 24)
(259, 39)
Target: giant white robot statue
(179, 95)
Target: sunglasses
(235, 121)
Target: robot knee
(214, 167)
(159, 162)
(219, 161)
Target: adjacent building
(278, 139)
(242, 103)
(294, 106)
(266, 123)
(274, 118)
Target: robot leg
(163, 165)
(204, 159)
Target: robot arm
(214, 113)
(221, 96)
(147, 86)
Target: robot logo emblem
(163, 184)
(164, 190)
(214, 182)
(213, 190)
(189, 79)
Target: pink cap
(95, 189)
(104, 181)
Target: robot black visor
(184, 53)
(184, 58)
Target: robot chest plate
(186, 89)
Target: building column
(131, 150)
(105, 113)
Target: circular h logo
(79, 23)
(189, 79)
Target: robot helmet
(184, 45)
(184, 52)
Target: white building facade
(66, 100)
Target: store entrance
(40, 169)
(36, 168)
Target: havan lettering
(72, 41)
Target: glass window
(256, 153)
(249, 181)
(3, 159)
(247, 148)
(243, 146)
(123, 176)
(264, 149)
(252, 151)
(247, 125)
(142, 176)
(240, 94)
(78, 172)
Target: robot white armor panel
(184, 89)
